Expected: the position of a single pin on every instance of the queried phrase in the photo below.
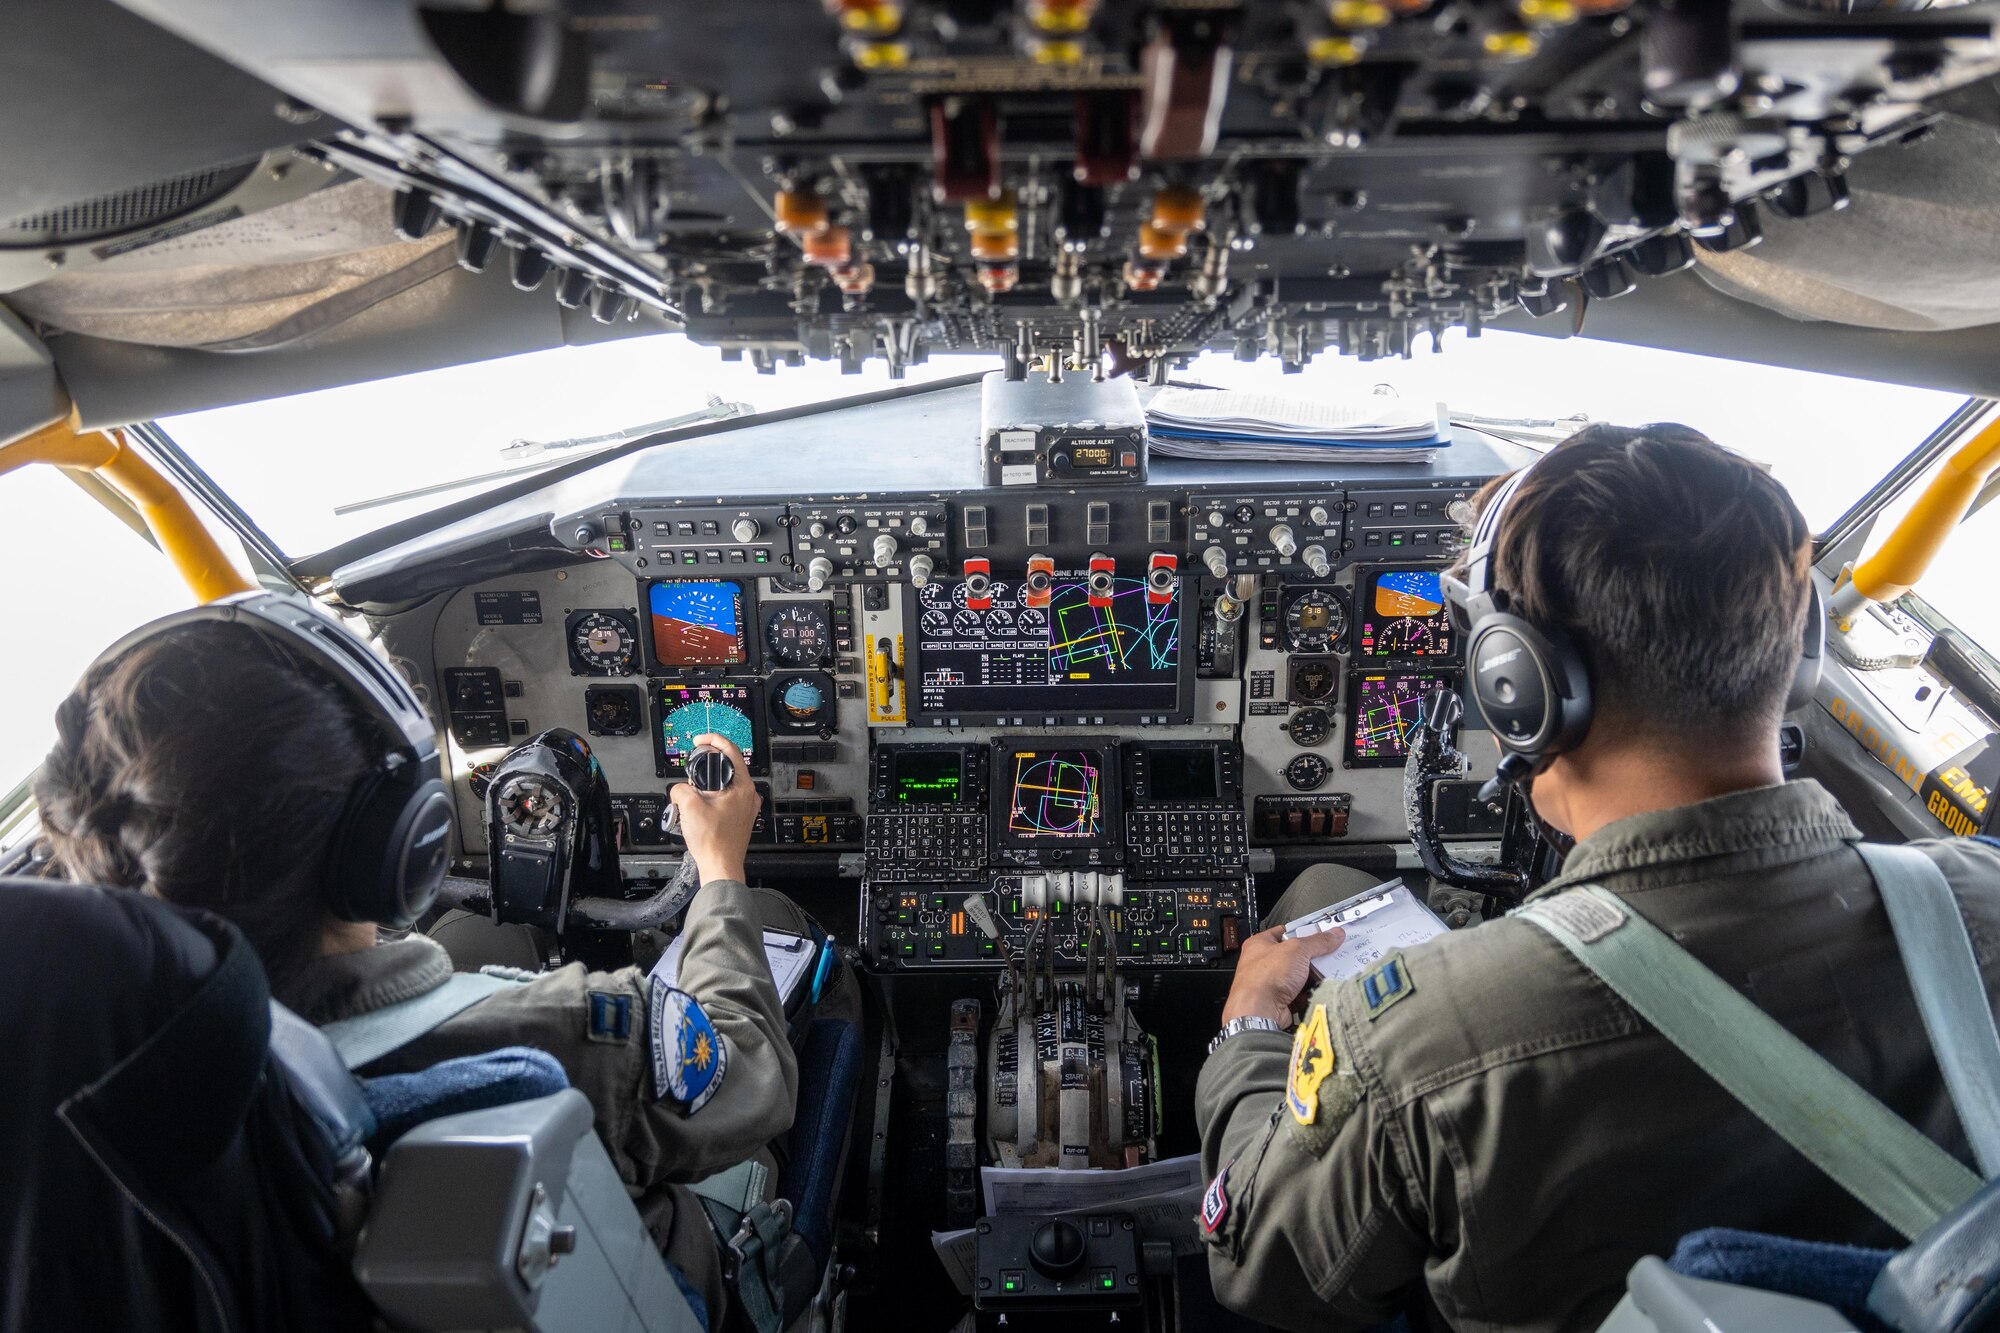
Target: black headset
(392, 846)
(1529, 682)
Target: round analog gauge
(1313, 681)
(969, 623)
(799, 634)
(1308, 772)
(613, 710)
(1311, 726)
(530, 806)
(601, 643)
(1314, 621)
(480, 777)
(999, 621)
(802, 703)
(935, 623)
(959, 595)
(934, 595)
(1033, 622)
(1405, 638)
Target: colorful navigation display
(1382, 708)
(1069, 658)
(1403, 614)
(696, 623)
(1056, 796)
(687, 710)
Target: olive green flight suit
(653, 1145)
(1502, 1127)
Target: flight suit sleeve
(1307, 1226)
(598, 1025)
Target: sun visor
(256, 282)
(1912, 253)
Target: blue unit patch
(689, 1057)
(1385, 985)
(610, 1017)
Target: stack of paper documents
(1269, 427)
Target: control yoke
(1435, 757)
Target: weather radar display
(689, 710)
(1403, 614)
(696, 623)
(1056, 795)
(1385, 706)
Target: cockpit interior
(1056, 639)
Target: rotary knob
(816, 529)
(920, 570)
(1319, 516)
(1282, 540)
(1459, 512)
(920, 526)
(745, 529)
(884, 549)
(818, 573)
(1316, 561)
(1217, 561)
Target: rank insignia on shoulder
(1312, 1062)
(610, 1017)
(1215, 1201)
(1385, 985)
(689, 1058)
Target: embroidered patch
(610, 1017)
(1312, 1062)
(1584, 915)
(689, 1057)
(1385, 985)
(1215, 1202)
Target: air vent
(124, 212)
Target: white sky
(81, 578)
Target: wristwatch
(1237, 1026)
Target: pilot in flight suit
(1481, 1113)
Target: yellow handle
(176, 526)
(1915, 541)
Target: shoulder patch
(1215, 1202)
(1312, 1062)
(610, 1017)
(689, 1057)
(1388, 982)
(1583, 914)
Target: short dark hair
(210, 767)
(1681, 570)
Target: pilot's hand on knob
(716, 824)
(1272, 972)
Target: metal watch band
(1237, 1026)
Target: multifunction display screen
(1383, 707)
(686, 710)
(1402, 613)
(1068, 658)
(1056, 796)
(1180, 774)
(696, 623)
(927, 777)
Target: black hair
(1681, 570)
(209, 767)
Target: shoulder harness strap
(365, 1038)
(1904, 1178)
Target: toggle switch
(1040, 583)
(1162, 578)
(979, 583)
(1102, 581)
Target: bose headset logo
(1499, 660)
(430, 837)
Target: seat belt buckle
(748, 1245)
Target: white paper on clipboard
(1379, 922)
(790, 956)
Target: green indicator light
(1108, 1280)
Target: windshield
(314, 470)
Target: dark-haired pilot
(209, 768)
(1481, 1115)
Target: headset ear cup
(392, 849)
(1531, 688)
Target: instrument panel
(1012, 713)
